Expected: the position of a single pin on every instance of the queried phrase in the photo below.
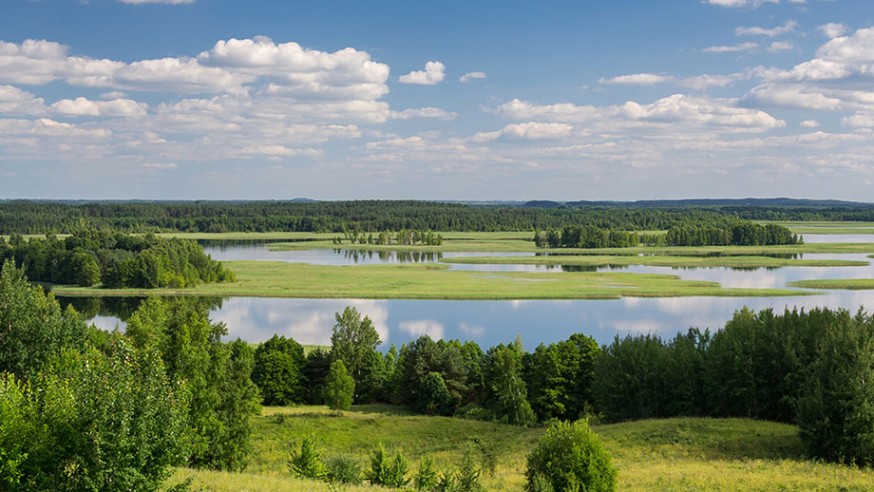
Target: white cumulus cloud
(637, 79)
(434, 73)
(472, 76)
(771, 32)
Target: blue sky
(469, 100)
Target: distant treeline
(32, 217)
(720, 232)
(114, 259)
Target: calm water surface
(488, 323)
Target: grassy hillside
(675, 454)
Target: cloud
(788, 27)
(864, 119)
(433, 74)
(418, 328)
(278, 151)
(85, 107)
(809, 124)
(735, 48)
(472, 76)
(636, 79)
(427, 112)
(678, 109)
(838, 78)
(778, 46)
(832, 29)
(164, 166)
(740, 3)
(527, 131)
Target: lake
(309, 321)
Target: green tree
(508, 394)
(217, 377)
(354, 341)
(836, 410)
(277, 371)
(339, 387)
(95, 421)
(571, 457)
(32, 325)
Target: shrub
(385, 472)
(307, 463)
(426, 476)
(571, 458)
(344, 469)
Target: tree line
(814, 369)
(85, 409)
(743, 233)
(114, 260)
(41, 217)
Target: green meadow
(684, 454)
(433, 281)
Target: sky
(450, 100)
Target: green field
(432, 281)
(675, 454)
(838, 283)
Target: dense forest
(114, 260)
(42, 217)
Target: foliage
(115, 259)
(354, 340)
(468, 474)
(93, 421)
(313, 373)
(307, 462)
(217, 376)
(572, 458)
(433, 377)
(339, 387)
(277, 371)
(559, 378)
(507, 391)
(387, 472)
(344, 469)
(836, 408)
(30, 217)
(426, 476)
(32, 325)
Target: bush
(344, 469)
(307, 463)
(571, 458)
(426, 476)
(385, 472)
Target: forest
(114, 260)
(44, 217)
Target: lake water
(309, 321)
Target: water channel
(309, 321)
